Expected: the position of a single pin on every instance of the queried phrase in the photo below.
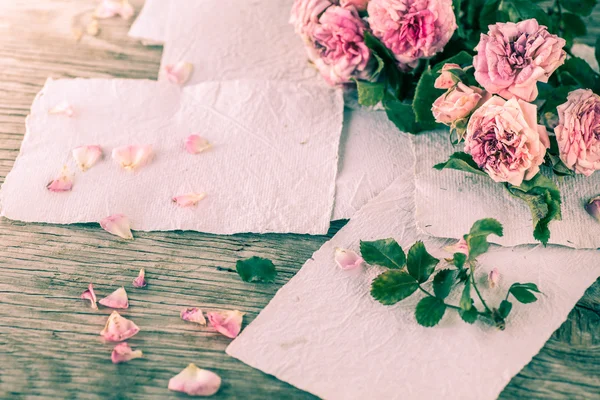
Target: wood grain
(49, 341)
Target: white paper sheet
(271, 169)
(448, 200)
(324, 333)
(151, 23)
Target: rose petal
(347, 259)
(188, 200)
(179, 73)
(227, 323)
(195, 144)
(87, 156)
(140, 281)
(111, 8)
(118, 225)
(132, 157)
(593, 208)
(193, 314)
(458, 247)
(118, 328)
(90, 295)
(123, 353)
(63, 108)
(93, 28)
(195, 382)
(64, 183)
(117, 299)
(493, 278)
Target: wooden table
(49, 339)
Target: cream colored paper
(151, 23)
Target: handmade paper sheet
(448, 201)
(151, 23)
(323, 333)
(271, 168)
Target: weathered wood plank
(49, 342)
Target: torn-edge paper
(151, 24)
(323, 333)
(449, 200)
(271, 167)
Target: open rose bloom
(505, 140)
(578, 132)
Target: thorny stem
(457, 308)
(472, 277)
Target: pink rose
(361, 5)
(446, 79)
(578, 131)
(412, 29)
(512, 58)
(305, 14)
(505, 140)
(456, 103)
(337, 48)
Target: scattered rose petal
(347, 259)
(63, 108)
(64, 183)
(195, 144)
(188, 200)
(458, 247)
(123, 353)
(195, 382)
(87, 156)
(593, 208)
(193, 314)
(90, 295)
(93, 28)
(117, 299)
(140, 281)
(493, 278)
(227, 323)
(179, 73)
(118, 225)
(132, 157)
(111, 8)
(118, 328)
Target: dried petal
(63, 108)
(493, 278)
(90, 295)
(131, 157)
(123, 353)
(117, 299)
(195, 382)
(118, 225)
(458, 247)
(87, 156)
(64, 182)
(193, 314)
(195, 144)
(140, 281)
(593, 208)
(111, 8)
(118, 328)
(228, 323)
(179, 73)
(188, 200)
(347, 259)
(93, 28)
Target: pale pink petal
(117, 299)
(63, 108)
(93, 28)
(118, 328)
(193, 314)
(188, 200)
(118, 225)
(195, 382)
(112, 8)
(90, 295)
(179, 73)
(195, 144)
(493, 278)
(227, 323)
(123, 353)
(64, 182)
(140, 281)
(347, 259)
(87, 156)
(132, 157)
(458, 247)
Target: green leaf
(383, 252)
(558, 166)
(491, 14)
(430, 311)
(466, 302)
(477, 237)
(459, 260)
(580, 7)
(462, 162)
(425, 95)
(573, 25)
(443, 282)
(420, 263)
(401, 114)
(519, 10)
(393, 286)
(256, 269)
(523, 292)
(470, 315)
(369, 93)
(597, 51)
(462, 58)
(583, 74)
(504, 309)
(543, 198)
(387, 61)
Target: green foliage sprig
(412, 272)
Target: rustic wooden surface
(49, 342)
